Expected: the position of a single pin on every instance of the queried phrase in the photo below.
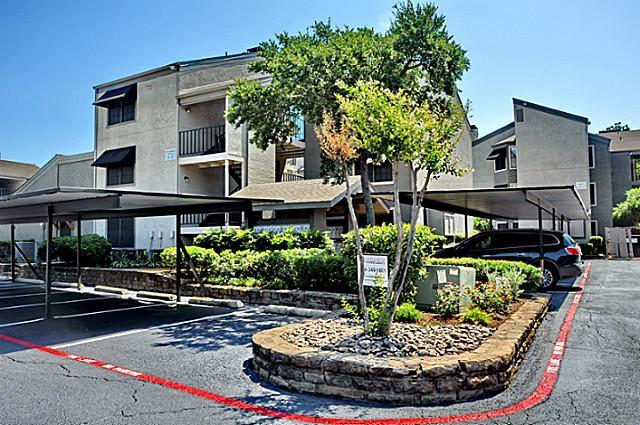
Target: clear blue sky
(578, 56)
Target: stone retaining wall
(412, 380)
(155, 281)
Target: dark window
(500, 163)
(120, 232)
(380, 173)
(513, 157)
(592, 157)
(519, 115)
(593, 194)
(122, 110)
(482, 242)
(594, 227)
(299, 123)
(120, 174)
(635, 168)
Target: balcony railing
(291, 177)
(5, 192)
(211, 220)
(202, 141)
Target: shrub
(95, 250)
(5, 251)
(476, 316)
(491, 297)
(587, 248)
(382, 240)
(407, 312)
(126, 259)
(248, 239)
(485, 267)
(448, 300)
(598, 244)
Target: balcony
(291, 177)
(202, 141)
(5, 191)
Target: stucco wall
(621, 175)
(484, 175)
(202, 75)
(601, 175)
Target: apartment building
(13, 175)
(625, 161)
(543, 146)
(164, 130)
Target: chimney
(474, 132)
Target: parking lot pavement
(209, 349)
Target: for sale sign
(376, 270)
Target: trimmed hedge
(486, 267)
(308, 269)
(248, 239)
(96, 250)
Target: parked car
(562, 255)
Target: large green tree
(311, 69)
(627, 212)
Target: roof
(299, 194)
(551, 111)
(67, 203)
(507, 203)
(57, 159)
(502, 129)
(599, 139)
(16, 170)
(623, 141)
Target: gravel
(406, 340)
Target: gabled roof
(623, 141)
(494, 133)
(16, 170)
(551, 111)
(301, 194)
(57, 159)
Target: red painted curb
(540, 394)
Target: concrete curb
(214, 302)
(110, 290)
(296, 311)
(156, 296)
(64, 285)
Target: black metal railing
(202, 141)
(5, 191)
(291, 177)
(211, 220)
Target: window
(592, 157)
(594, 227)
(299, 123)
(635, 168)
(519, 115)
(380, 173)
(502, 225)
(120, 232)
(449, 225)
(513, 158)
(120, 174)
(121, 108)
(500, 163)
(593, 194)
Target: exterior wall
(312, 153)
(484, 175)
(601, 176)
(62, 170)
(621, 175)
(205, 114)
(261, 165)
(207, 74)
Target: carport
(560, 203)
(77, 204)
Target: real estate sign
(376, 270)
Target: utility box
(439, 276)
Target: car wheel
(549, 278)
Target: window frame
(506, 164)
(119, 104)
(120, 168)
(451, 218)
(592, 157)
(594, 223)
(509, 150)
(635, 167)
(117, 244)
(521, 118)
(593, 194)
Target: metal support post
(78, 250)
(466, 226)
(178, 255)
(12, 253)
(47, 277)
(553, 217)
(540, 244)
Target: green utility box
(439, 276)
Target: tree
(618, 126)
(481, 224)
(422, 136)
(627, 212)
(309, 71)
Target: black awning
(115, 94)
(498, 152)
(121, 156)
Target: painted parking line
(539, 395)
(113, 310)
(80, 300)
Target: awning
(93, 204)
(503, 143)
(507, 203)
(115, 94)
(121, 156)
(497, 153)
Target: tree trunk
(352, 213)
(397, 219)
(366, 189)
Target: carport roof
(67, 203)
(507, 203)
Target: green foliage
(618, 126)
(448, 300)
(587, 248)
(491, 297)
(598, 244)
(309, 269)
(95, 250)
(407, 312)
(382, 240)
(476, 316)
(5, 251)
(125, 259)
(248, 239)
(481, 224)
(485, 267)
(627, 212)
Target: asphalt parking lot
(208, 349)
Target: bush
(597, 242)
(5, 251)
(491, 298)
(448, 300)
(128, 259)
(476, 316)
(95, 250)
(484, 268)
(587, 248)
(408, 313)
(382, 240)
(248, 239)
(309, 269)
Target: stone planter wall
(155, 281)
(411, 380)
